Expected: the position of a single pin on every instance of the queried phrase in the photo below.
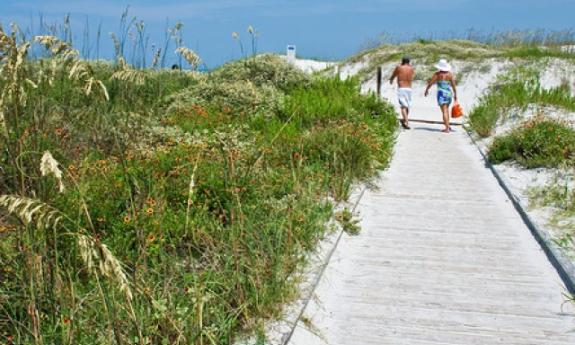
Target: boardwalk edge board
(281, 331)
(560, 261)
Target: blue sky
(321, 29)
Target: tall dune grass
(519, 88)
(151, 206)
(472, 45)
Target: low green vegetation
(537, 52)
(519, 88)
(167, 207)
(559, 195)
(348, 221)
(539, 142)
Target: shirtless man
(404, 74)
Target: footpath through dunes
(443, 257)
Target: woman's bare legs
(445, 112)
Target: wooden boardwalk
(443, 258)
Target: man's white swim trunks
(404, 97)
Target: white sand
(558, 72)
(310, 66)
(568, 48)
(352, 69)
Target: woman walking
(446, 91)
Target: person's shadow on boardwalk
(429, 129)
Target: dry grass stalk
(130, 75)
(49, 166)
(80, 70)
(156, 58)
(98, 258)
(126, 73)
(12, 58)
(191, 189)
(57, 47)
(28, 210)
(2, 118)
(190, 56)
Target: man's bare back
(404, 74)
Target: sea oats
(80, 70)
(22, 54)
(83, 72)
(2, 120)
(103, 89)
(88, 86)
(191, 57)
(178, 26)
(130, 75)
(91, 251)
(31, 83)
(30, 210)
(156, 59)
(97, 255)
(117, 45)
(57, 47)
(49, 166)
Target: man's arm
(393, 75)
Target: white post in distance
(291, 53)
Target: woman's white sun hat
(443, 66)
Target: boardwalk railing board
(379, 81)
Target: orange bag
(456, 111)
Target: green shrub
(240, 97)
(346, 150)
(558, 194)
(262, 70)
(330, 99)
(324, 100)
(534, 52)
(538, 143)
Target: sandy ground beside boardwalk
(310, 66)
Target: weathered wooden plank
(443, 258)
